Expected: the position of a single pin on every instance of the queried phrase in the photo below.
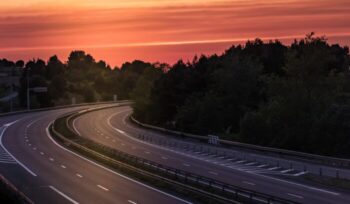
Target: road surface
(110, 127)
(48, 173)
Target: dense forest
(295, 97)
(266, 93)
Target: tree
(89, 94)
(142, 91)
(20, 63)
(54, 67)
(311, 84)
(58, 87)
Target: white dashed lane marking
(296, 196)
(214, 173)
(249, 183)
(287, 170)
(226, 159)
(103, 188)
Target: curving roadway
(49, 173)
(111, 127)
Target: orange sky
(160, 30)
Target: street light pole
(11, 101)
(28, 90)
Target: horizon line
(164, 43)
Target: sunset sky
(160, 30)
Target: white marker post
(115, 97)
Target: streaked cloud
(137, 24)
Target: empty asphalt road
(48, 173)
(110, 127)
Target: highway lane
(55, 175)
(95, 125)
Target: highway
(48, 173)
(110, 127)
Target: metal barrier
(17, 195)
(325, 160)
(61, 107)
(213, 187)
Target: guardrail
(204, 185)
(61, 107)
(13, 195)
(282, 153)
(121, 165)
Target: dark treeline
(295, 97)
(81, 78)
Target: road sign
(39, 89)
(9, 97)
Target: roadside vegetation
(294, 97)
(80, 79)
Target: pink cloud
(29, 32)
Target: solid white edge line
(74, 127)
(298, 184)
(111, 171)
(63, 195)
(13, 157)
(256, 174)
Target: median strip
(199, 188)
